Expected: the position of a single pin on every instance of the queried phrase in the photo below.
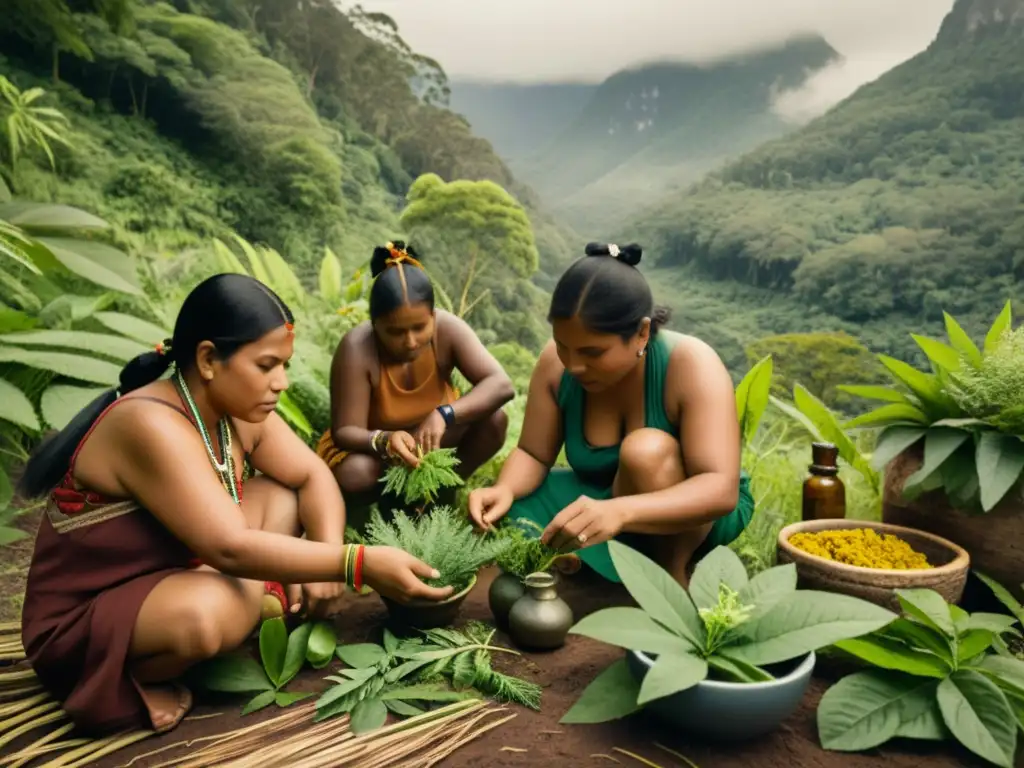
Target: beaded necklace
(225, 469)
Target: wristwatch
(447, 413)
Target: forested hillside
(658, 127)
(291, 124)
(905, 200)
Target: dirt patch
(536, 738)
(14, 562)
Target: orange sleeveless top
(392, 406)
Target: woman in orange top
(391, 389)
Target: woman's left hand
(315, 601)
(428, 434)
(584, 523)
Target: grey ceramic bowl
(730, 711)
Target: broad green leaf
(361, 655)
(338, 691)
(73, 366)
(330, 277)
(6, 490)
(322, 642)
(960, 423)
(1003, 595)
(973, 642)
(939, 444)
(285, 283)
(942, 356)
(670, 674)
(16, 408)
(991, 622)
(286, 699)
(610, 696)
(1002, 323)
(795, 415)
(866, 709)
(925, 386)
(273, 646)
(630, 628)
(959, 475)
(368, 715)
(257, 267)
(830, 428)
(291, 413)
(961, 341)
(889, 415)
(1009, 671)
(295, 653)
(871, 392)
(768, 587)
(402, 708)
(721, 565)
(736, 670)
(927, 724)
(258, 702)
(424, 692)
(233, 674)
(97, 263)
(11, 535)
(889, 654)
(49, 216)
(1000, 459)
(805, 621)
(69, 307)
(390, 641)
(978, 714)
(752, 397)
(660, 595)
(15, 320)
(892, 442)
(133, 327)
(61, 402)
(928, 607)
(117, 347)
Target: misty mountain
(518, 118)
(902, 201)
(656, 127)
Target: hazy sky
(532, 40)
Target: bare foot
(167, 704)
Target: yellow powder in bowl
(863, 547)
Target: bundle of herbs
(444, 540)
(524, 552)
(993, 390)
(402, 676)
(422, 484)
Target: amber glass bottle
(824, 492)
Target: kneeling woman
(391, 392)
(155, 547)
(648, 421)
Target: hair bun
(628, 254)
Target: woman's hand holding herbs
(428, 434)
(396, 574)
(488, 505)
(584, 523)
(403, 445)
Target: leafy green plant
(422, 484)
(934, 679)
(444, 540)
(1015, 647)
(282, 656)
(752, 394)
(524, 552)
(971, 456)
(726, 626)
(401, 674)
(27, 124)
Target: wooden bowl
(948, 576)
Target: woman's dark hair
(399, 280)
(228, 310)
(607, 292)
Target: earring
(640, 352)
(208, 375)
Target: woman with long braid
(157, 545)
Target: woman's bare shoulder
(694, 364)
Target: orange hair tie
(290, 328)
(399, 257)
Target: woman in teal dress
(648, 421)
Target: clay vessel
(505, 590)
(540, 619)
(427, 614)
